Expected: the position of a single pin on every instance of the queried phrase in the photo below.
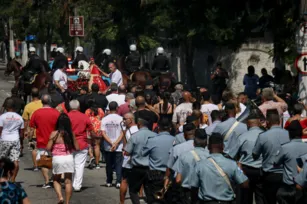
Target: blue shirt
(211, 127)
(157, 148)
(135, 145)
(268, 145)
(251, 85)
(177, 150)
(185, 164)
(212, 186)
(287, 157)
(232, 140)
(301, 178)
(179, 138)
(245, 147)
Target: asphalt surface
(93, 190)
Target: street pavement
(93, 190)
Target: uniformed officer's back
(161, 63)
(209, 176)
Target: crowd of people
(176, 146)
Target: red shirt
(303, 123)
(80, 124)
(44, 121)
(123, 109)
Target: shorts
(10, 149)
(125, 173)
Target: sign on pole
(76, 26)
(301, 63)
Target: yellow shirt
(30, 108)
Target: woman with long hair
(62, 143)
(10, 192)
(164, 107)
(64, 107)
(95, 114)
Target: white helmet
(106, 51)
(60, 49)
(160, 50)
(32, 49)
(133, 47)
(79, 48)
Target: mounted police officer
(160, 63)
(80, 56)
(133, 60)
(33, 66)
(103, 59)
(59, 59)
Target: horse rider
(80, 56)
(59, 59)
(33, 66)
(103, 59)
(160, 63)
(133, 60)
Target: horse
(38, 82)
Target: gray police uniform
(211, 127)
(232, 140)
(138, 174)
(287, 157)
(179, 138)
(251, 167)
(177, 150)
(185, 164)
(157, 148)
(212, 186)
(268, 145)
(301, 180)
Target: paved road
(93, 190)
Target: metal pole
(77, 40)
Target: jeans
(114, 159)
(80, 160)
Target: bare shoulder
(53, 134)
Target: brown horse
(39, 81)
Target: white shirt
(127, 163)
(61, 77)
(11, 123)
(207, 109)
(181, 112)
(111, 126)
(116, 77)
(119, 99)
(242, 107)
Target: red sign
(301, 63)
(76, 26)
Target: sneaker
(45, 186)
(108, 185)
(77, 189)
(91, 161)
(97, 167)
(35, 169)
(118, 185)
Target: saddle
(31, 79)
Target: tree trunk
(188, 52)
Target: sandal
(61, 202)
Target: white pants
(80, 160)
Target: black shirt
(264, 81)
(147, 115)
(56, 99)
(79, 57)
(161, 63)
(133, 61)
(83, 102)
(59, 60)
(100, 99)
(19, 104)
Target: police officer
(213, 177)
(160, 63)
(34, 66)
(287, 158)
(175, 152)
(80, 56)
(133, 59)
(230, 129)
(103, 59)
(59, 59)
(157, 149)
(140, 164)
(185, 164)
(301, 184)
(268, 145)
(251, 167)
(179, 138)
